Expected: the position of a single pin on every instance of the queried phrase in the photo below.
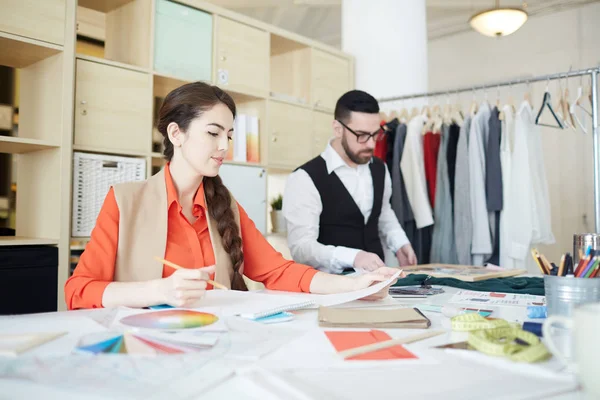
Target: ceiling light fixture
(498, 21)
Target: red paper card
(345, 340)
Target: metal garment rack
(592, 72)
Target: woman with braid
(186, 215)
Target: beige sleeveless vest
(143, 234)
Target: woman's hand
(379, 275)
(185, 287)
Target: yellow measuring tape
(498, 337)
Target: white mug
(585, 327)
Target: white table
(298, 363)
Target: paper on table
(76, 326)
(497, 299)
(328, 300)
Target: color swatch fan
(142, 344)
(170, 320)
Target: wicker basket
(93, 175)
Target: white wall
(545, 44)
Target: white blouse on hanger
(528, 217)
(506, 141)
(542, 223)
(519, 216)
(412, 166)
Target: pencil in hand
(175, 266)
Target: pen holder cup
(563, 293)
(581, 242)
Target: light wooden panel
(322, 131)
(243, 52)
(25, 241)
(290, 143)
(16, 145)
(41, 20)
(128, 33)
(103, 5)
(330, 78)
(40, 114)
(91, 23)
(39, 194)
(19, 52)
(112, 110)
(113, 63)
(290, 75)
(66, 153)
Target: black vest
(341, 222)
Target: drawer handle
(223, 58)
(274, 139)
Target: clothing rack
(592, 72)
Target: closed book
(370, 318)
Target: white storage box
(93, 175)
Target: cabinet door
(42, 20)
(330, 78)
(183, 41)
(290, 137)
(322, 131)
(113, 108)
(249, 187)
(242, 58)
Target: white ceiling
(321, 19)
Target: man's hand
(406, 256)
(368, 261)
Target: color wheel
(170, 320)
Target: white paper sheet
(230, 302)
(76, 326)
(497, 299)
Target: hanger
(547, 102)
(474, 106)
(527, 95)
(383, 116)
(447, 112)
(404, 117)
(414, 112)
(511, 100)
(566, 109)
(576, 104)
(560, 106)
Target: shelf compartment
(109, 151)
(18, 145)
(26, 241)
(290, 70)
(164, 84)
(103, 5)
(21, 52)
(111, 63)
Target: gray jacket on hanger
(463, 228)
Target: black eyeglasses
(362, 138)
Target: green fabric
(522, 285)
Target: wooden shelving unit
(72, 102)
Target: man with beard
(337, 205)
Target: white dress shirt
(302, 209)
(412, 166)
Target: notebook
(370, 318)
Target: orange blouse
(188, 245)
